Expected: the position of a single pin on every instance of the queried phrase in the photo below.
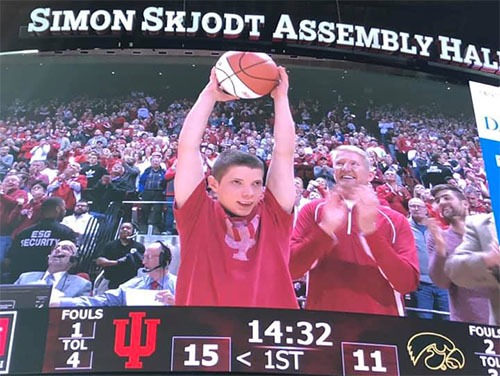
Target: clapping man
(360, 255)
(476, 261)
(430, 300)
(466, 304)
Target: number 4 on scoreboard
(74, 360)
(78, 360)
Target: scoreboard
(175, 340)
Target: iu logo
(137, 347)
(240, 235)
(7, 326)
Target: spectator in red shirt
(403, 144)
(237, 245)
(395, 194)
(11, 197)
(27, 145)
(35, 174)
(476, 206)
(69, 185)
(30, 213)
(348, 235)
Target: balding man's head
(11, 183)
(417, 208)
(156, 256)
(62, 257)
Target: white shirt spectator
(51, 173)
(143, 113)
(385, 126)
(78, 223)
(40, 152)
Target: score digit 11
(376, 355)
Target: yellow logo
(437, 351)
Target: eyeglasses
(416, 207)
(149, 257)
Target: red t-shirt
(29, 215)
(230, 262)
(70, 196)
(8, 205)
(397, 200)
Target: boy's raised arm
(189, 170)
(280, 175)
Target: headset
(165, 255)
(75, 259)
(164, 259)
(136, 230)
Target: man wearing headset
(60, 260)
(121, 258)
(156, 276)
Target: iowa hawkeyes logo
(437, 351)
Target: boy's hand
(282, 88)
(214, 90)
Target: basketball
(246, 75)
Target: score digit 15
(302, 333)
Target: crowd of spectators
(88, 137)
(116, 149)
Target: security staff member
(31, 246)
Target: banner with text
(485, 99)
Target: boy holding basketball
(235, 250)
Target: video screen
(98, 110)
(22, 296)
(307, 227)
